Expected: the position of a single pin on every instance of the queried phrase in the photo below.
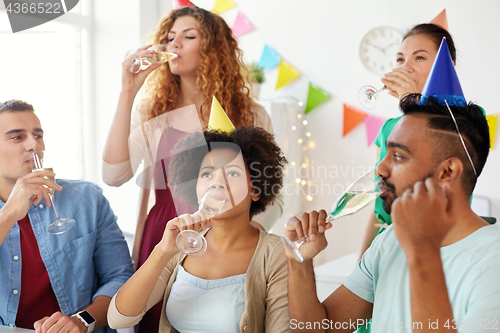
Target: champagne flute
(161, 55)
(358, 195)
(369, 96)
(42, 162)
(191, 242)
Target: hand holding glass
(369, 96)
(192, 242)
(160, 56)
(360, 193)
(42, 162)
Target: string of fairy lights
(306, 142)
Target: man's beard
(387, 203)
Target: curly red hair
(219, 73)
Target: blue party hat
(442, 82)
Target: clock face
(378, 49)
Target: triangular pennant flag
(352, 118)
(492, 120)
(183, 3)
(223, 5)
(373, 125)
(269, 58)
(241, 25)
(315, 97)
(287, 73)
(219, 121)
(442, 81)
(441, 20)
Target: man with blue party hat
(436, 267)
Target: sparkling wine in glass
(42, 162)
(191, 242)
(369, 97)
(160, 56)
(358, 195)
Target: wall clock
(378, 49)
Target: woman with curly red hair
(209, 63)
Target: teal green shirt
(380, 213)
(471, 269)
(380, 141)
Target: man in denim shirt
(63, 282)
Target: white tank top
(197, 305)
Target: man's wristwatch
(87, 320)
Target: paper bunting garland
(223, 5)
(352, 118)
(315, 97)
(269, 58)
(492, 120)
(183, 3)
(373, 125)
(241, 25)
(287, 73)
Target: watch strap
(87, 320)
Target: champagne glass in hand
(160, 56)
(192, 242)
(42, 162)
(369, 96)
(358, 195)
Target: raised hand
(400, 83)
(313, 225)
(132, 82)
(422, 217)
(29, 190)
(59, 322)
(198, 221)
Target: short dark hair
(15, 105)
(260, 153)
(472, 124)
(436, 33)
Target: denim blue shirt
(89, 260)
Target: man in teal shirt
(436, 267)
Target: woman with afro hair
(209, 63)
(240, 283)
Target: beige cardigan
(266, 296)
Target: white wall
(321, 39)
